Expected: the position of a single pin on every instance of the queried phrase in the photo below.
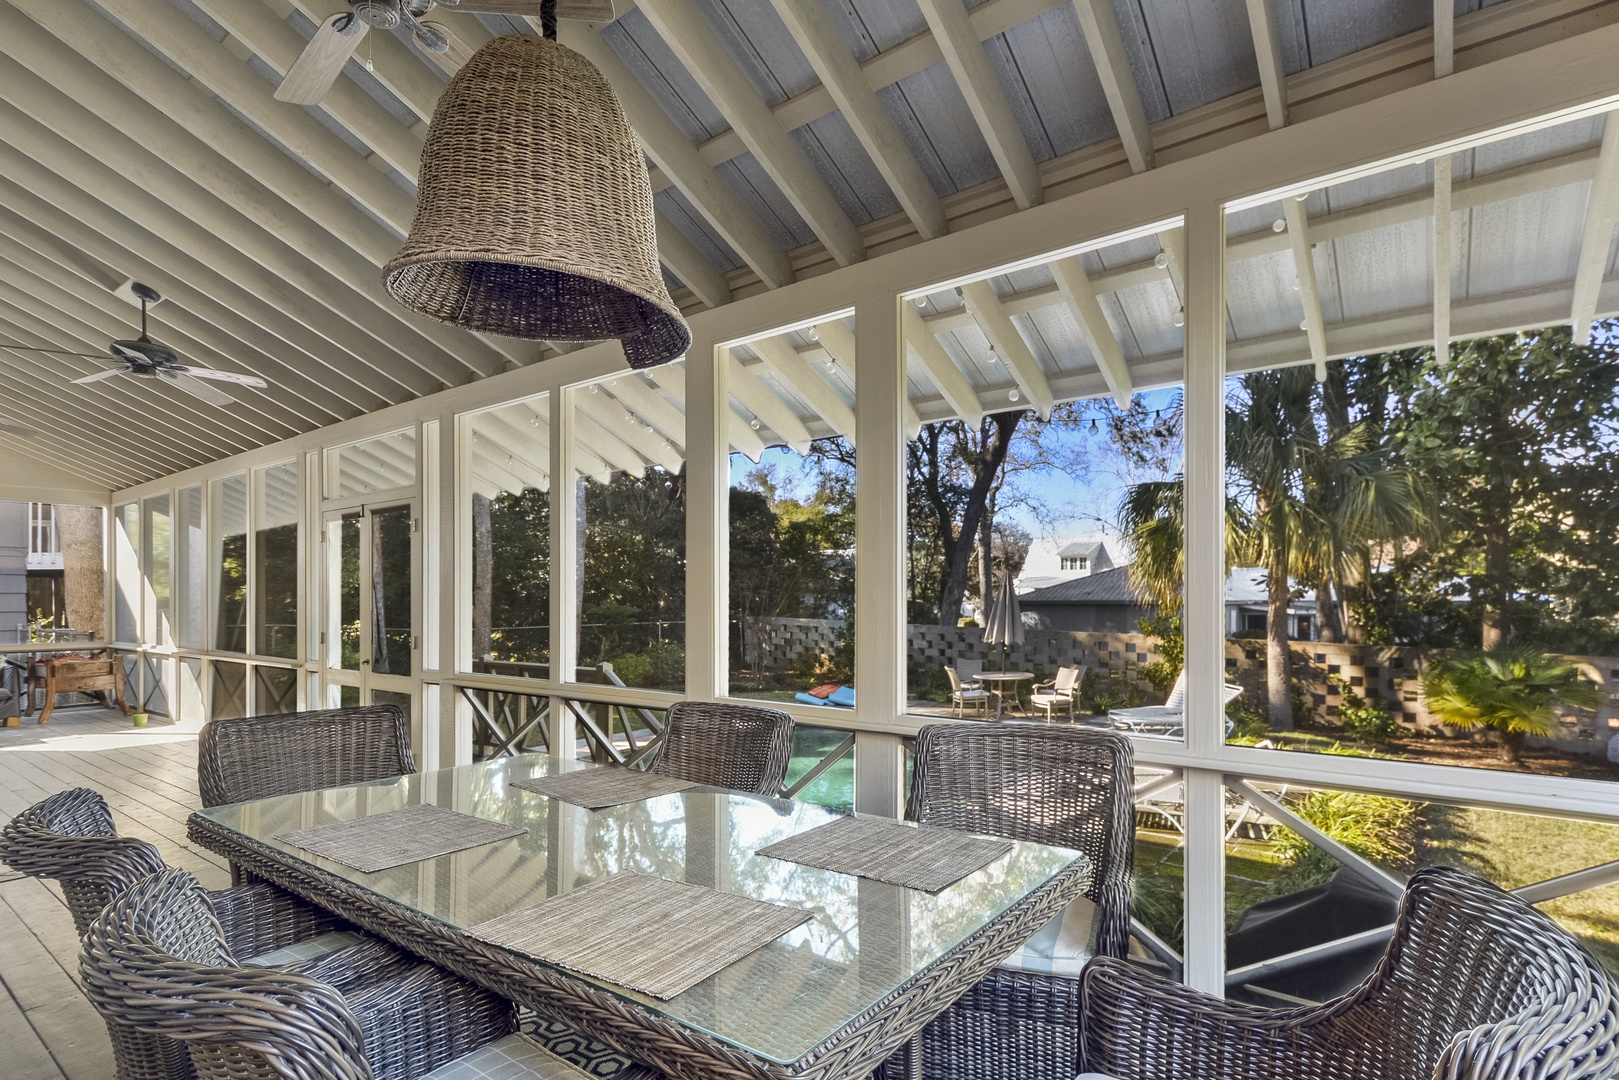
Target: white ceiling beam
(838, 340)
(1172, 245)
(1100, 28)
(969, 64)
(232, 161)
(607, 443)
(743, 439)
(1298, 235)
(812, 29)
(682, 259)
(1596, 239)
(1009, 345)
(705, 58)
(650, 405)
(1441, 255)
(628, 428)
(1268, 50)
(785, 364)
(1444, 38)
(940, 367)
(1075, 285)
(68, 139)
(227, 303)
(757, 397)
(680, 162)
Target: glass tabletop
(866, 939)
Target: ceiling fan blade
(199, 389)
(322, 60)
(54, 352)
(596, 11)
(456, 53)
(98, 376)
(220, 376)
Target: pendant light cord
(548, 19)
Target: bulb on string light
(1304, 324)
(594, 389)
(1179, 318)
(1014, 395)
(831, 362)
(813, 334)
(1093, 423)
(919, 301)
(754, 424)
(994, 357)
(1279, 225)
(1161, 260)
(1295, 284)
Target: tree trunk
(986, 553)
(1278, 656)
(483, 578)
(1326, 613)
(1512, 746)
(958, 549)
(380, 660)
(84, 582)
(1497, 571)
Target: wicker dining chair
(70, 838)
(741, 747)
(156, 960)
(1476, 985)
(1071, 787)
(258, 757)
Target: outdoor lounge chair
(1476, 985)
(1168, 719)
(1060, 692)
(962, 694)
(841, 698)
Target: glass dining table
(829, 1000)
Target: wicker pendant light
(534, 214)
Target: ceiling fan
(150, 359)
(335, 40)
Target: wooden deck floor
(48, 1031)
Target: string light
(1093, 423)
(1179, 318)
(1304, 324)
(831, 362)
(920, 301)
(1295, 284)
(754, 424)
(994, 357)
(813, 334)
(1014, 395)
(1279, 225)
(594, 389)
(1161, 260)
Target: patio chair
(258, 757)
(1168, 719)
(156, 962)
(969, 670)
(70, 838)
(1475, 984)
(961, 694)
(1066, 786)
(1059, 692)
(740, 747)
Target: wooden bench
(79, 674)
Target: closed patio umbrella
(1003, 623)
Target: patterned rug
(597, 1059)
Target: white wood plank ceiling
(785, 139)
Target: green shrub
(1374, 827)
(1159, 903)
(1365, 721)
(1515, 690)
(1101, 693)
(667, 660)
(1248, 723)
(1171, 640)
(634, 669)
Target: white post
(707, 521)
(879, 614)
(1205, 591)
(565, 555)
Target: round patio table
(998, 681)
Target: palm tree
(1515, 690)
(1302, 504)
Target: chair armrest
(1137, 1026)
(261, 918)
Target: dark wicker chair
(259, 757)
(1066, 786)
(1476, 984)
(70, 838)
(741, 747)
(156, 960)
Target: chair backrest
(257, 757)
(155, 961)
(741, 747)
(1068, 679)
(70, 838)
(969, 670)
(1177, 693)
(1479, 984)
(1065, 786)
(955, 678)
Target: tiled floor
(48, 1031)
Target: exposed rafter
(1021, 363)
(1298, 235)
(941, 369)
(685, 262)
(1444, 38)
(704, 56)
(1596, 241)
(766, 407)
(1268, 50)
(1075, 285)
(812, 29)
(839, 342)
(964, 55)
(796, 372)
(1100, 27)
(1441, 256)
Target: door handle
(365, 663)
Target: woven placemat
(609, 785)
(398, 837)
(928, 860)
(644, 933)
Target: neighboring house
(1054, 561)
(1099, 601)
(1104, 600)
(30, 564)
